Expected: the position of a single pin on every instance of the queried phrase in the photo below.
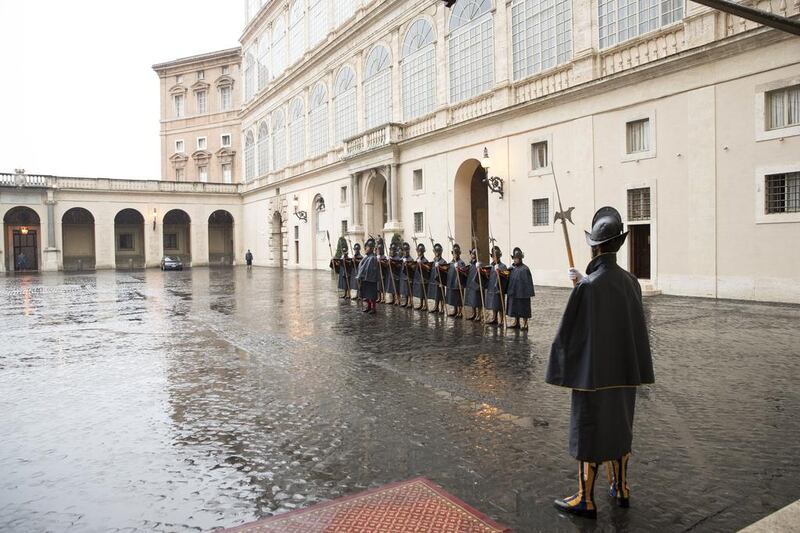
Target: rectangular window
(343, 195)
(541, 212)
(201, 143)
(225, 69)
(418, 183)
(539, 155)
(179, 146)
(178, 101)
(170, 241)
(639, 204)
(226, 173)
(419, 222)
(178, 174)
(225, 98)
(125, 241)
(344, 227)
(620, 20)
(202, 102)
(226, 140)
(783, 107)
(782, 193)
(202, 172)
(201, 74)
(296, 232)
(637, 136)
(179, 78)
(541, 35)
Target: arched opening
(176, 236)
(220, 238)
(320, 249)
(375, 205)
(22, 239)
(77, 240)
(277, 238)
(129, 239)
(471, 201)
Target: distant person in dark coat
(474, 293)
(520, 291)
(405, 275)
(435, 280)
(369, 276)
(602, 353)
(343, 266)
(248, 257)
(356, 259)
(455, 282)
(420, 278)
(496, 287)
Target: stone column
(394, 225)
(51, 261)
(355, 205)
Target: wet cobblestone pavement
(194, 400)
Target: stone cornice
(226, 54)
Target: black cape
(472, 295)
(602, 341)
(455, 283)
(520, 282)
(435, 292)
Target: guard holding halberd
(601, 352)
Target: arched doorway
(375, 205)
(22, 239)
(320, 249)
(277, 238)
(177, 235)
(220, 238)
(77, 240)
(129, 239)
(471, 199)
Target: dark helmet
(420, 247)
(606, 226)
(517, 253)
(356, 247)
(437, 247)
(370, 242)
(406, 246)
(457, 248)
(496, 252)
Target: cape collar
(608, 258)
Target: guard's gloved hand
(574, 274)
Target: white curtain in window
(793, 103)
(378, 87)
(318, 21)
(318, 118)
(471, 49)
(278, 139)
(278, 46)
(249, 157)
(541, 35)
(297, 31)
(344, 90)
(297, 130)
(263, 61)
(263, 148)
(418, 70)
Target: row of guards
(397, 279)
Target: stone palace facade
(355, 118)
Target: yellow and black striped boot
(617, 471)
(582, 503)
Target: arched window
(471, 49)
(249, 77)
(263, 61)
(278, 139)
(541, 35)
(278, 47)
(263, 149)
(297, 130)
(419, 70)
(318, 21)
(344, 103)
(344, 10)
(378, 87)
(318, 118)
(249, 157)
(297, 31)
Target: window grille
(297, 40)
(471, 49)
(639, 204)
(419, 222)
(279, 56)
(319, 25)
(620, 20)
(541, 212)
(263, 149)
(539, 155)
(297, 130)
(170, 241)
(541, 34)
(263, 61)
(344, 10)
(418, 183)
(345, 104)
(418, 70)
(783, 107)
(278, 139)
(378, 87)
(782, 193)
(249, 77)
(637, 135)
(318, 119)
(249, 157)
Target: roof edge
(218, 54)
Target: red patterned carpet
(416, 505)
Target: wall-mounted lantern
(301, 215)
(494, 183)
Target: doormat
(416, 505)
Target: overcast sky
(78, 96)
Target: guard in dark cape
(456, 279)
(355, 260)
(520, 291)
(405, 275)
(474, 293)
(602, 353)
(435, 280)
(421, 278)
(389, 275)
(342, 267)
(496, 287)
(369, 277)
(383, 263)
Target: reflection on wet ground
(181, 401)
